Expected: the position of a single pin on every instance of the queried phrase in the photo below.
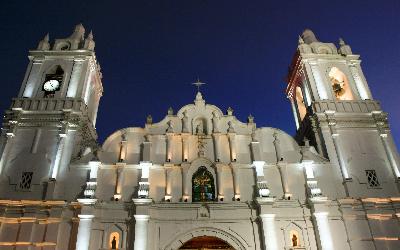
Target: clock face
(51, 85)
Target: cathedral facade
(199, 178)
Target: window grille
(26, 181)
(372, 178)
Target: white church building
(199, 178)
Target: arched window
(203, 185)
(340, 84)
(113, 241)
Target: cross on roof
(198, 84)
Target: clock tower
(335, 111)
(52, 120)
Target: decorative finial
(170, 111)
(44, 43)
(149, 119)
(90, 36)
(341, 42)
(301, 41)
(78, 33)
(198, 84)
(230, 111)
(250, 119)
(79, 26)
(344, 49)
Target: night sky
(150, 52)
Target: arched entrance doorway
(213, 233)
(206, 243)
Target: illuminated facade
(199, 178)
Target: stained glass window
(203, 185)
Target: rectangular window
(26, 181)
(372, 178)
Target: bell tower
(334, 109)
(52, 120)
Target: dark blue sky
(151, 50)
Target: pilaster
(142, 218)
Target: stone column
(361, 86)
(75, 78)
(307, 96)
(270, 231)
(323, 232)
(85, 226)
(122, 152)
(216, 137)
(185, 191)
(295, 113)
(319, 81)
(185, 147)
(232, 146)
(30, 86)
(36, 140)
(96, 108)
(236, 176)
(277, 146)
(335, 139)
(141, 231)
(382, 126)
(57, 161)
(170, 137)
(89, 67)
(168, 182)
(8, 140)
(282, 167)
(389, 153)
(314, 126)
(220, 169)
(119, 181)
(141, 223)
(85, 223)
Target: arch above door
(227, 237)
